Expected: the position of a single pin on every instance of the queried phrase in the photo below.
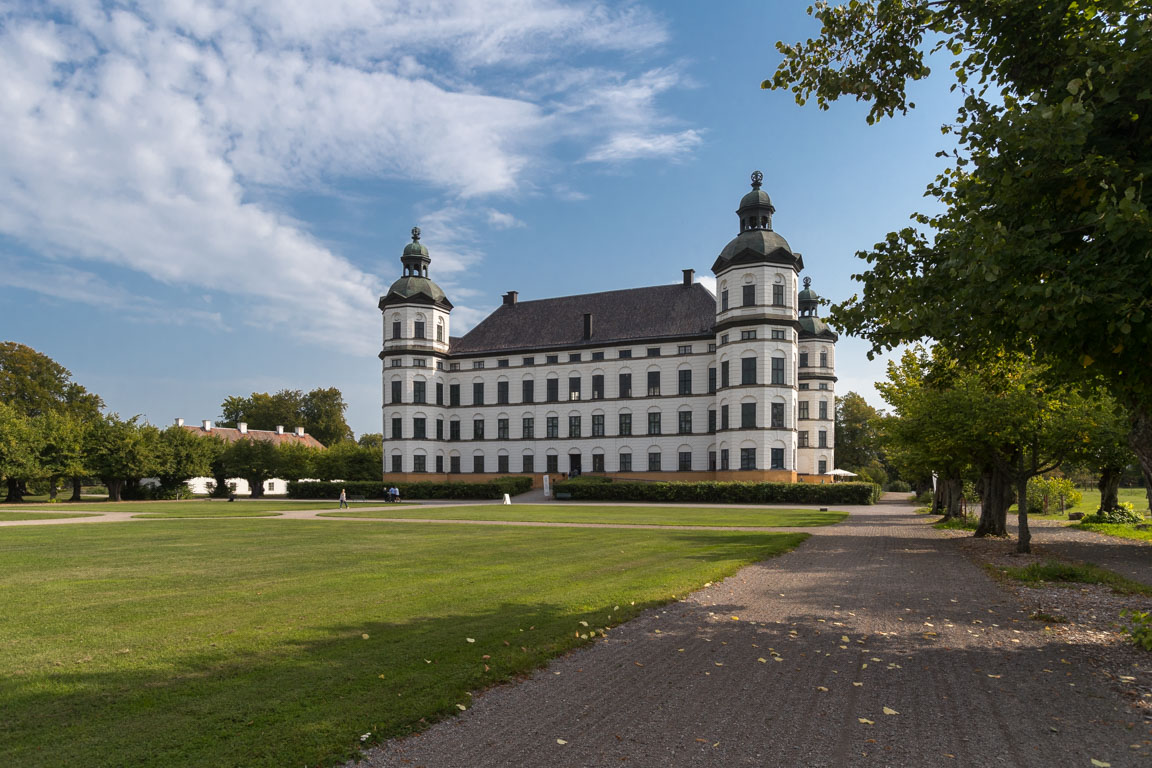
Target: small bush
(1124, 514)
(493, 489)
(723, 493)
(1139, 627)
(1072, 573)
(899, 486)
(923, 498)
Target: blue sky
(200, 200)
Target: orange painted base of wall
(725, 476)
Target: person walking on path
(343, 499)
(395, 494)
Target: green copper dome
(415, 286)
(756, 198)
(415, 248)
(760, 241)
(409, 287)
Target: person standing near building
(343, 499)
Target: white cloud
(708, 281)
(145, 136)
(633, 146)
(502, 220)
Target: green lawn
(194, 508)
(1122, 531)
(189, 643)
(11, 513)
(564, 513)
(1091, 502)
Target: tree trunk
(76, 486)
(14, 494)
(1024, 536)
(52, 489)
(114, 487)
(994, 502)
(1109, 486)
(1140, 440)
(256, 488)
(953, 497)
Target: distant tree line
(52, 429)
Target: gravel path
(877, 612)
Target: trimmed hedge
(493, 489)
(724, 493)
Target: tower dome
(415, 285)
(811, 326)
(757, 242)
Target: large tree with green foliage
(181, 455)
(320, 412)
(19, 450)
(121, 452)
(857, 439)
(257, 461)
(1045, 242)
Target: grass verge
(193, 644)
(1121, 531)
(193, 508)
(20, 514)
(958, 524)
(1053, 572)
(555, 513)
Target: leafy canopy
(1045, 242)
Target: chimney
(179, 422)
(206, 425)
(299, 431)
(689, 277)
(587, 325)
(510, 298)
(279, 429)
(243, 427)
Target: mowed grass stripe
(191, 508)
(189, 643)
(565, 513)
(21, 514)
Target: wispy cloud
(142, 136)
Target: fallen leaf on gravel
(637, 663)
(583, 623)
(680, 650)
(890, 711)
(717, 663)
(762, 660)
(864, 665)
(461, 707)
(365, 636)
(866, 721)
(995, 676)
(469, 639)
(657, 631)
(561, 742)
(485, 657)
(735, 618)
(876, 659)
(858, 684)
(383, 677)
(777, 658)
(843, 638)
(1101, 763)
(486, 669)
(822, 688)
(427, 661)
(702, 741)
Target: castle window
(440, 433)
(685, 382)
(478, 464)
(552, 425)
(724, 338)
(397, 464)
(527, 466)
(440, 337)
(778, 415)
(749, 295)
(804, 385)
(802, 439)
(598, 387)
(397, 428)
(777, 370)
(597, 462)
(747, 370)
(597, 356)
(419, 429)
(478, 393)
(684, 349)
(573, 387)
(502, 464)
(553, 390)
(573, 426)
(777, 458)
(625, 354)
(823, 385)
(747, 415)
(453, 366)
(625, 385)
(396, 330)
(824, 409)
(478, 429)
(528, 361)
(653, 383)
(502, 392)
(502, 430)
(598, 426)
(527, 391)
(439, 393)
(419, 464)
(654, 423)
(745, 335)
(711, 380)
(625, 462)
(778, 333)
(625, 424)
(748, 458)
(574, 357)
(823, 467)
(439, 464)
(723, 417)
(823, 359)
(454, 464)
(685, 463)
(419, 362)
(711, 421)
(397, 362)
(724, 300)
(804, 410)
(418, 392)
(778, 295)
(528, 428)
(803, 359)
(552, 359)
(654, 461)
(477, 363)
(712, 347)
(711, 461)
(419, 334)
(501, 363)
(723, 459)
(454, 433)
(552, 463)
(396, 392)
(453, 394)
(653, 351)
(684, 426)
(823, 438)
(723, 374)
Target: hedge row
(493, 489)
(724, 493)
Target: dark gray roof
(634, 314)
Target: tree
(1045, 243)
(254, 460)
(19, 447)
(320, 412)
(857, 439)
(120, 452)
(182, 455)
(61, 449)
(296, 461)
(371, 440)
(30, 382)
(1105, 450)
